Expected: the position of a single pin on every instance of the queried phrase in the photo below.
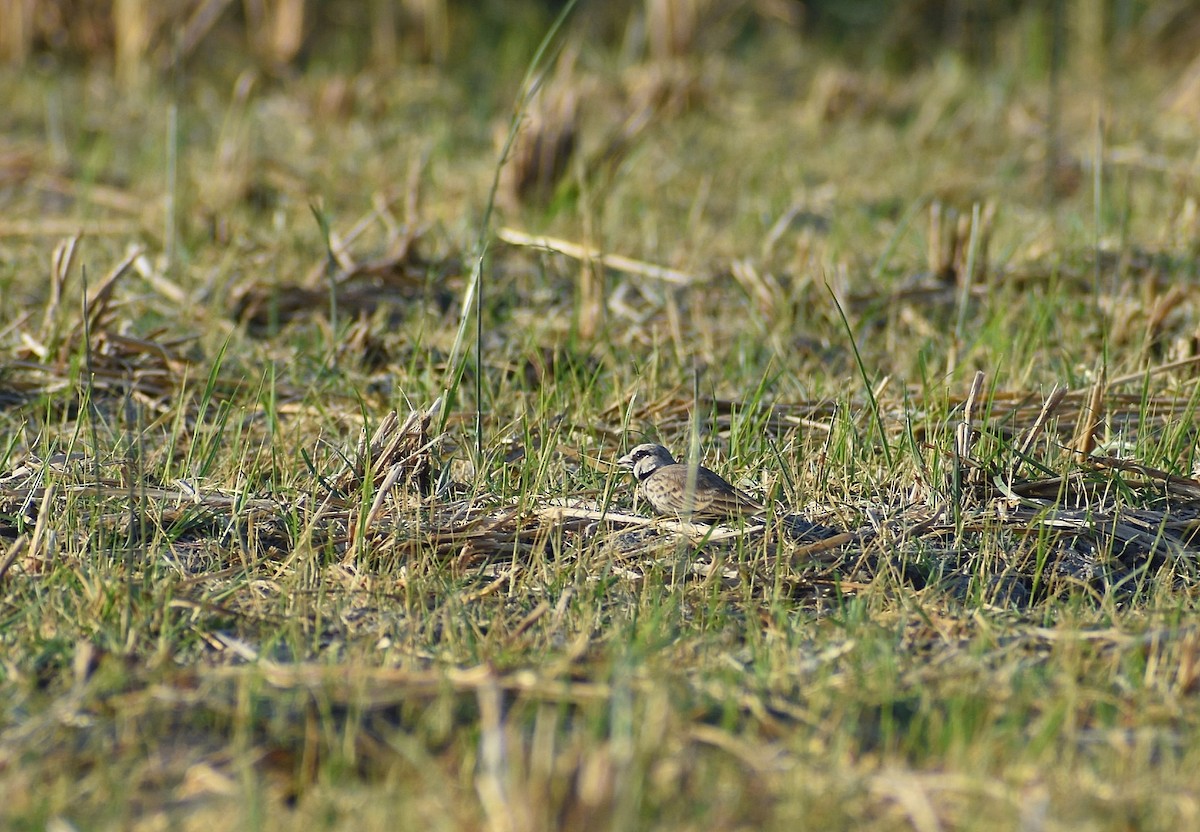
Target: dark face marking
(646, 459)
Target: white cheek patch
(644, 468)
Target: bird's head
(644, 460)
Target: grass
(237, 596)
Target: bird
(664, 483)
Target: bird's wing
(716, 496)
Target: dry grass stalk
(232, 175)
(16, 35)
(427, 29)
(203, 17)
(376, 687)
(965, 433)
(133, 31)
(949, 235)
(616, 262)
(61, 262)
(546, 140)
(591, 299)
(54, 227)
(1049, 408)
(285, 34)
(15, 550)
(276, 28)
(766, 290)
(656, 91)
(1183, 98)
(424, 26)
(1183, 487)
(673, 26)
(1090, 419)
(838, 94)
(384, 51)
(695, 531)
(394, 453)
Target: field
(314, 371)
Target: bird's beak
(625, 462)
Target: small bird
(664, 484)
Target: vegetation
(321, 339)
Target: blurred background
(134, 37)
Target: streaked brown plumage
(664, 484)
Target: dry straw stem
(16, 35)
(424, 26)
(694, 531)
(280, 30)
(1183, 98)
(965, 433)
(672, 26)
(15, 550)
(397, 454)
(375, 687)
(133, 31)
(53, 227)
(546, 140)
(1090, 419)
(616, 262)
(1049, 407)
(950, 234)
